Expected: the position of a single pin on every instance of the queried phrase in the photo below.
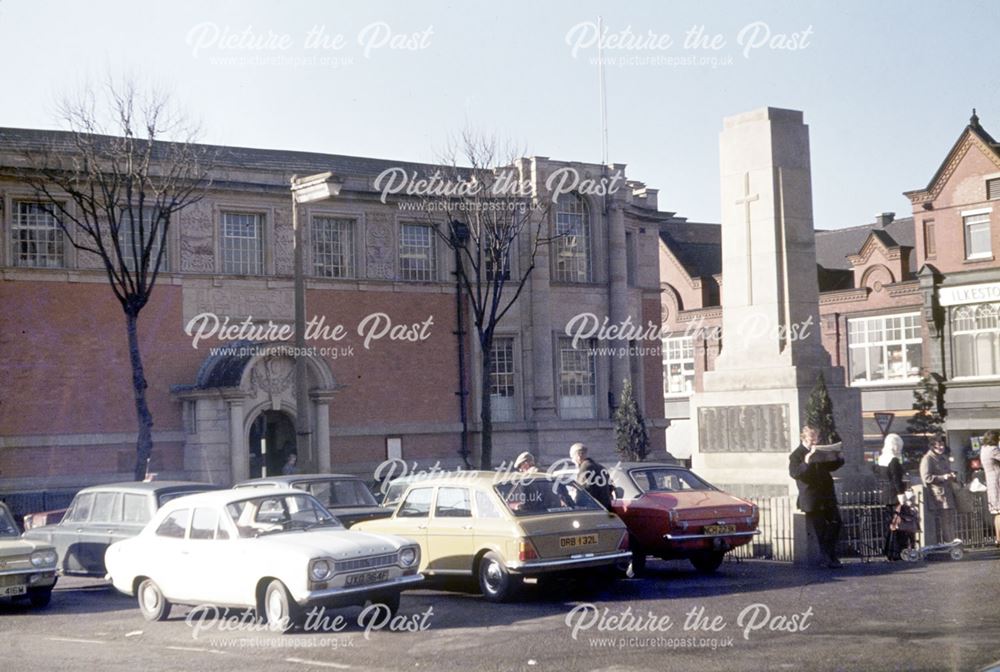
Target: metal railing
(775, 541)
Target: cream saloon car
(277, 552)
(501, 528)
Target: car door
(66, 535)
(203, 560)
(493, 527)
(450, 536)
(96, 533)
(412, 518)
(163, 559)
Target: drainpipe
(459, 238)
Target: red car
(673, 514)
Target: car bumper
(13, 582)
(581, 561)
(332, 596)
(697, 537)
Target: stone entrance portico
(232, 389)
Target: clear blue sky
(886, 87)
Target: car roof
(294, 478)
(474, 478)
(628, 466)
(154, 487)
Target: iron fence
(865, 523)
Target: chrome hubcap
(150, 599)
(275, 607)
(494, 577)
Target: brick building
(67, 415)
(898, 297)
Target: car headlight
(408, 556)
(43, 558)
(320, 570)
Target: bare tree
(114, 183)
(497, 217)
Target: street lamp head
(317, 187)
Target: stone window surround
(358, 216)
(598, 245)
(519, 380)
(266, 231)
(602, 372)
(440, 260)
(71, 256)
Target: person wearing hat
(591, 475)
(525, 463)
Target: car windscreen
(8, 528)
(534, 496)
(279, 513)
(668, 480)
(339, 493)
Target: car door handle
(421, 527)
(79, 530)
(467, 527)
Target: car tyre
(153, 605)
(40, 597)
(281, 612)
(707, 562)
(495, 582)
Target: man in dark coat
(591, 476)
(817, 497)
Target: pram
(901, 542)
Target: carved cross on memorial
(745, 201)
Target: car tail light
(623, 544)
(526, 551)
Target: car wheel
(708, 562)
(40, 597)
(152, 603)
(280, 610)
(495, 582)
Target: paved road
(937, 615)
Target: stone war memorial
(753, 403)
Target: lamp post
(309, 189)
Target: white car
(278, 552)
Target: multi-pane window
(242, 243)
(977, 236)
(976, 339)
(631, 262)
(884, 348)
(489, 263)
(36, 239)
(416, 253)
(577, 392)
(129, 233)
(333, 247)
(502, 400)
(678, 365)
(572, 241)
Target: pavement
(934, 615)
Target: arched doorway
(272, 439)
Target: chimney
(883, 219)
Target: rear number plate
(11, 591)
(578, 541)
(720, 529)
(366, 578)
